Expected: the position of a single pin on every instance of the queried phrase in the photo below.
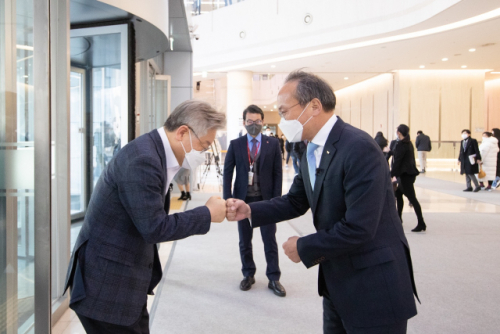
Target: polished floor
(455, 261)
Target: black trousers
(333, 323)
(268, 234)
(141, 326)
(405, 187)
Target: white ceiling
(362, 63)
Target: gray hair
(198, 115)
(310, 86)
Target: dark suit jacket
(404, 159)
(299, 148)
(423, 143)
(270, 168)
(362, 252)
(115, 261)
(470, 149)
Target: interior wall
(368, 105)
(492, 101)
(179, 65)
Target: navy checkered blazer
(115, 261)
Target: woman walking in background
(405, 170)
(496, 134)
(489, 154)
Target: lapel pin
(267, 142)
(327, 152)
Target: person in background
(496, 134)
(282, 145)
(259, 176)
(423, 144)
(489, 151)
(298, 151)
(468, 160)
(381, 140)
(182, 180)
(405, 170)
(288, 148)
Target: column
(239, 96)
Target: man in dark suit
(115, 262)
(365, 271)
(257, 159)
(424, 146)
(469, 159)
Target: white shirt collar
(169, 154)
(322, 135)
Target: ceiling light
(243, 34)
(422, 66)
(495, 72)
(472, 50)
(265, 107)
(447, 27)
(464, 66)
(196, 74)
(273, 66)
(308, 19)
(275, 106)
(444, 59)
(346, 78)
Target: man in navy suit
(365, 271)
(115, 263)
(257, 159)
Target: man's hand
(217, 207)
(290, 247)
(237, 209)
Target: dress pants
(333, 323)
(422, 159)
(268, 233)
(405, 187)
(468, 178)
(141, 326)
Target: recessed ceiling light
(495, 72)
(265, 107)
(346, 78)
(444, 59)
(472, 50)
(422, 66)
(275, 106)
(273, 66)
(464, 66)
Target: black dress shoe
(420, 228)
(468, 189)
(188, 196)
(183, 196)
(277, 288)
(246, 284)
(477, 189)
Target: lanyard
(252, 161)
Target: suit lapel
(326, 159)
(264, 147)
(244, 149)
(160, 149)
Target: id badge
(250, 178)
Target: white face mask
(194, 158)
(293, 129)
(465, 136)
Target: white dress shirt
(321, 138)
(172, 164)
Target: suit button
(150, 266)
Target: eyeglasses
(282, 111)
(250, 122)
(204, 148)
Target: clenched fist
(237, 210)
(217, 207)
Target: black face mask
(253, 129)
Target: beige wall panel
(366, 114)
(492, 93)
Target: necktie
(311, 161)
(254, 149)
(465, 144)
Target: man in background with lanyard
(259, 176)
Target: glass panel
(16, 167)
(106, 123)
(77, 134)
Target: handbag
(481, 173)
